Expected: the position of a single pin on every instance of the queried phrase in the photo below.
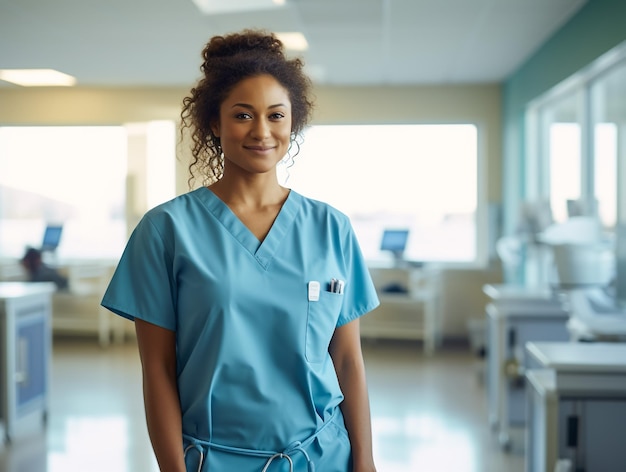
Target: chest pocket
(321, 321)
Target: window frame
(536, 179)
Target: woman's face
(254, 125)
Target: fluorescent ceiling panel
(37, 77)
(211, 7)
(293, 41)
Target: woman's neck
(259, 191)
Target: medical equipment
(585, 263)
(582, 255)
(595, 315)
(524, 257)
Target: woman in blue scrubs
(245, 294)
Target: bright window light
(421, 177)
(39, 185)
(565, 167)
(37, 77)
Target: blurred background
(476, 145)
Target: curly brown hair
(228, 60)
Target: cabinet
(409, 305)
(576, 406)
(25, 355)
(516, 315)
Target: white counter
(514, 300)
(580, 357)
(10, 290)
(517, 293)
(582, 367)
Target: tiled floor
(429, 414)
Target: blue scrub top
(253, 364)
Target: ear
(215, 128)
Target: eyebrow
(250, 107)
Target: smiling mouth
(260, 148)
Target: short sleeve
(359, 293)
(143, 284)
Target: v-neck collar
(264, 251)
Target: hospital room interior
(478, 148)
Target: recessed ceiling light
(293, 41)
(211, 7)
(37, 77)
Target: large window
(420, 177)
(562, 125)
(576, 143)
(74, 176)
(608, 118)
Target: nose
(261, 129)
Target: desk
(25, 355)
(515, 316)
(413, 312)
(576, 406)
(77, 310)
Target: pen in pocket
(336, 285)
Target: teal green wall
(598, 27)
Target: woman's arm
(157, 350)
(345, 350)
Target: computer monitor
(51, 238)
(394, 241)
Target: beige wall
(479, 104)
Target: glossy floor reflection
(429, 414)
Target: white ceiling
(373, 42)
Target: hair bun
(244, 42)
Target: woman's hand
(345, 350)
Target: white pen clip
(314, 291)
(339, 286)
